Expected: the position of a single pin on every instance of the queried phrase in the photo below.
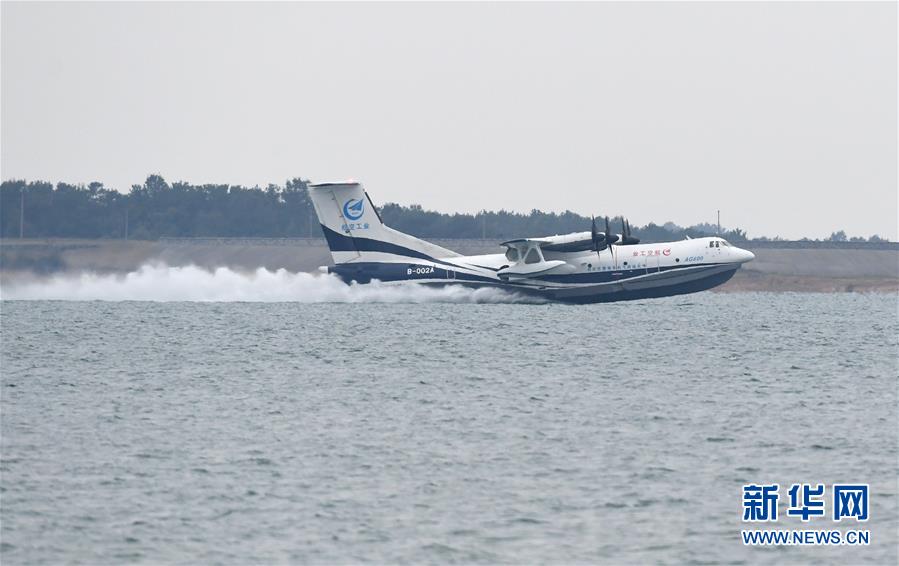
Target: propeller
(626, 238)
(602, 240)
(598, 241)
(610, 237)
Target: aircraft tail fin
(354, 230)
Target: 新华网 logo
(806, 502)
(353, 209)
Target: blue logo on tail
(353, 209)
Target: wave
(161, 283)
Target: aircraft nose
(745, 255)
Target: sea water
(182, 416)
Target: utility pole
(719, 223)
(483, 226)
(22, 213)
(126, 223)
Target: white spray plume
(160, 283)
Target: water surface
(333, 433)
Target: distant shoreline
(485, 242)
(821, 267)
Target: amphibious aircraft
(584, 267)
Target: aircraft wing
(577, 242)
(525, 243)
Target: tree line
(156, 209)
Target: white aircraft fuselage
(564, 268)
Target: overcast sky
(784, 116)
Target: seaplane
(593, 266)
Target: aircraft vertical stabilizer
(355, 232)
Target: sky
(783, 116)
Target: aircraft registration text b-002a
(583, 267)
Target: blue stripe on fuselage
(364, 272)
(616, 275)
(341, 243)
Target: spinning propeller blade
(610, 237)
(626, 238)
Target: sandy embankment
(788, 268)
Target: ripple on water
(477, 433)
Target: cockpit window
(711, 244)
(512, 254)
(532, 257)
